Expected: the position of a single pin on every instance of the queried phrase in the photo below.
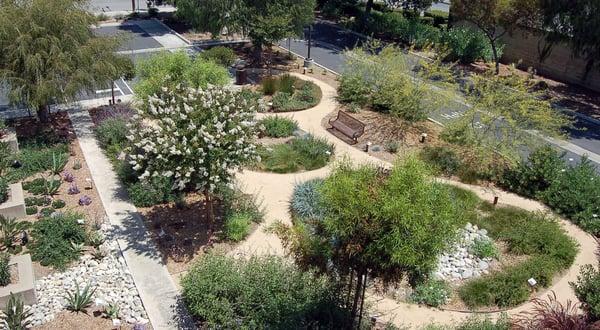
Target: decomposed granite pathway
(156, 287)
(275, 191)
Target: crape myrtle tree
(375, 226)
(196, 137)
(264, 21)
(49, 53)
(494, 18)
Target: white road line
(127, 85)
(100, 91)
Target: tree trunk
(43, 113)
(495, 54)
(258, 54)
(362, 301)
(210, 214)
(357, 295)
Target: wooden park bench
(348, 125)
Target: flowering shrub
(196, 137)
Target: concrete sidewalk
(157, 290)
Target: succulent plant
(306, 201)
(85, 200)
(73, 189)
(68, 176)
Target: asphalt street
(329, 41)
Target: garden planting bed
(283, 92)
(486, 266)
(68, 231)
(178, 222)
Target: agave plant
(79, 300)
(99, 254)
(51, 187)
(58, 163)
(15, 316)
(95, 239)
(10, 229)
(112, 311)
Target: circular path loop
(275, 191)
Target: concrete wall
(561, 65)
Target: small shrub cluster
(306, 203)
(38, 156)
(395, 26)
(431, 293)
(467, 45)
(221, 55)
(155, 191)
(3, 190)
(52, 240)
(42, 186)
(240, 210)
(549, 248)
(278, 127)
(260, 292)
(4, 269)
(237, 226)
(484, 248)
(290, 93)
(301, 153)
(112, 132)
(587, 290)
(58, 204)
(570, 190)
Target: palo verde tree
(375, 225)
(576, 23)
(50, 53)
(494, 18)
(264, 21)
(505, 116)
(196, 137)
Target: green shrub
(237, 226)
(392, 146)
(4, 269)
(305, 95)
(477, 322)
(301, 153)
(439, 17)
(58, 204)
(31, 210)
(442, 158)
(269, 85)
(221, 55)
(306, 200)
(576, 195)
(509, 287)
(43, 201)
(46, 211)
(3, 190)
(112, 132)
(484, 248)
(587, 290)
(287, 83)
(354, 90)
(42, 186)
(431, 293)
(260, 292)
(30, 201)
(233, 201)
(278, 127)
(37, 157)
(536, 174)
(52, 240)
(467, 45)
(148, 193)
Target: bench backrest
(350, 121)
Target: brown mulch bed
(381, 129)
(94, 213)
(93, 320)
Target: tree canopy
(264, 21)
(576, 23)
(50, 53)
(494, 17)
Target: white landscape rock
(109, 276)
(458, 263)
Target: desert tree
(50, 53)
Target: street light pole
(308, 61)
(133, 6)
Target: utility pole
(133, 6)
(309, 61)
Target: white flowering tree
(197, 137)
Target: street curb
(173, 31)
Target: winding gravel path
(276, 189)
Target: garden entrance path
(156, 287)
(275, 191)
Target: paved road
(327, 50)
